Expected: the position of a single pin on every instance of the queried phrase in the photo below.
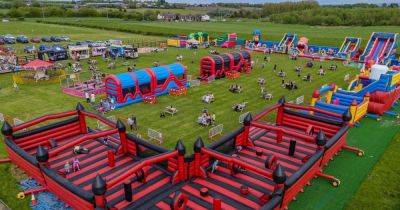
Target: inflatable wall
(132, 87)
(217, 66)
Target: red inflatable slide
(381, 101)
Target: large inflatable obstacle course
(146, 84)
(92, 156)
(374, 94)
(258, 44)
(315, 51)
(350, 49)
(288, 42)
(224, 65)
(262, 165)
(381, 47)
(383, 86)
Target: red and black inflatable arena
(262, 165)
(217, 66)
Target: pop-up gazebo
(37, 70)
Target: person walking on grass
(87, 97)
(132, 122)
(92, 98)
(15, 86)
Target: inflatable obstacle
(315, 51)
(177, 41)
(259, 166)
(132, 87)
(258, 44)
(380, 47)
(364, 95)
(383, 86)
(288, 42)
(350, 49)
(219, 66)
(43, 151)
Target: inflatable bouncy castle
(261, 165)
(374, 94)
(218, 66)
(132, 87)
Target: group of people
(291, 85)
(239, 107)
(281, 73)
(235, 88)
(208, 98)
(206, 119)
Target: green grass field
(39, 99)
(317, 34)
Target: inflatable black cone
(42, 155)
(79, 107)
(247, 120)
(279, 175)
(121, 126)
(180, 147)
(198, 145)
(321, 139)
(6, 129)
(99, 186)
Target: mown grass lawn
(39, 99)
(321, 35)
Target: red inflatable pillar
(99, 188)
(198, 171)
(111, 158)
(7, 130)
(279, 115)
(246, 122)
(81, 117)
(122, 135)
(217, 204)
(181, 160)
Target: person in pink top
(76, 165)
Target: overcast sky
(275, 1)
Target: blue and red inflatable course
(132, 87)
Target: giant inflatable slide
(381, 47)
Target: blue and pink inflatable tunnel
(132, 87)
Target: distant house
(184, 18)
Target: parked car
(22, 39)
(2, 40)
(55, 39)
(35, 40)
(30, 49)
(46, 39)
(65, 38)
(9, 39)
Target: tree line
(53, 11)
